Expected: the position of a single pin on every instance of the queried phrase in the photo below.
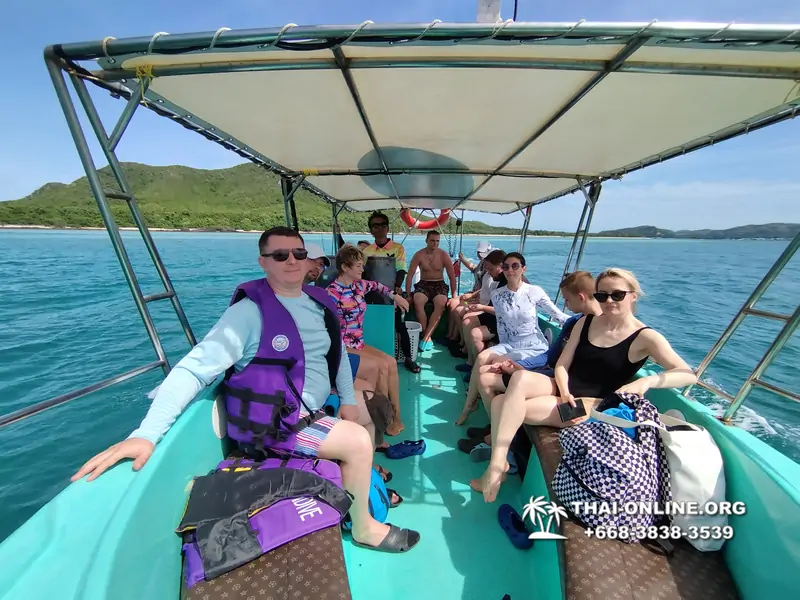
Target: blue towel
(331, 406)
(622, 412)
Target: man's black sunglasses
(379, 225)
(616, 295)
(283, 255)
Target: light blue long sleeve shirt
(234, 340)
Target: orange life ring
(444, 215)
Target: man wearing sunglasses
(280, 346)
(378, 224)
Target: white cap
(315, 251)
(483, 249)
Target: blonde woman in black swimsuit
(601, 357)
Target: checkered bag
(604, 467)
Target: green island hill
(246, 198)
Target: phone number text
(654, 532)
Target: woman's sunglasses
(283, 255)
(616, 295)
(513, 267)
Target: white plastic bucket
(414, 333)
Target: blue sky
(713, 188)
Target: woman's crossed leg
(530, 398)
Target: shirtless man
(431, 287)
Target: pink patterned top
(351, 306)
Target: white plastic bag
(696, 475)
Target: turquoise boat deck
(463, 553)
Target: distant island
(246, 198)
(780, 231)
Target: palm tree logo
(538, 509)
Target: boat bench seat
(308, 568)
(593, 568)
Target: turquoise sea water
(67, 320)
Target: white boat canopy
(478, 117)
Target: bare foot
(395, 428)
(489, 483)
(468, 410)
(492, 481)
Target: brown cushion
(309, 568)
(594, 569)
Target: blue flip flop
(514, 527)
(405, 449)
(512, 464)
(481, 453)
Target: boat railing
(592, 195)
(790, 323)
(108, 145)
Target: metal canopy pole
(105, 211)
(524, 236)
(336, 209)
(342, 63)
(285, 193)
(591, 199)
(785, 36)
(128, 196)
(612, 65)
(126, 116)
(334, 222)
(586, 214)
(460, 229)
(270, 64)
(101, 197)
(288, 190)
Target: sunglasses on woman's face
(282, 255)
(616, 295)
(513, 266)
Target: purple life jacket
(245, 508)
(263, 400)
